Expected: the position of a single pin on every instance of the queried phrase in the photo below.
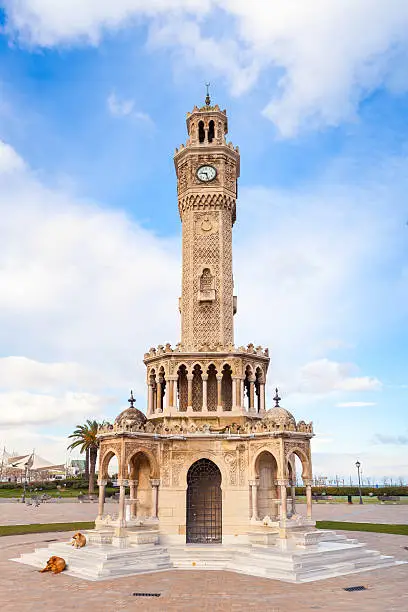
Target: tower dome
(280, 416)
(130, 416)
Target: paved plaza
(14, 513)
(23, 589)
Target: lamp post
(358, 465)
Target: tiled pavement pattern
(366, 513)
(23, 589)
(13, 513)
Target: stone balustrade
(219, 348)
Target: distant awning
(33, 462)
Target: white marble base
(101, 562)
(300, 557)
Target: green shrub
(344, 491)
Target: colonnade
(284, 512)
(164, 394)
(132, 484)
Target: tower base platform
(301, 557)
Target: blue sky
(93, 99)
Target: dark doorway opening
(204, 503)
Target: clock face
(206, 173)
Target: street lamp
(358, 465)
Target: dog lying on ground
(78, 540)
(56, 565)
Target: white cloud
(355, 404)
(321, 57)
(119, 108)
(126, 108)
(22, 408)
(20, 373)
(324, 376)
(401, 440)
(9, 160)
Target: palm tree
(85, 438)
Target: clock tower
(206, 375)
(207, 170)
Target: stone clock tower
(207, 171)
(206, 375)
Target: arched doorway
(204, 503)
(267, 469)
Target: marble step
(92, 563)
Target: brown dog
(56, 565)
(78, 540)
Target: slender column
(154, 402)
(189, 391)
(150, 406)
(122, 499)
(155, 482)
(204, 379)
(101, 502)
(171, 392)
(168, 387)
(254, 484)
(159, 396)
(293, 497)
(219, 393)
(284, 502)
(262, 397)
(242, 394)
(234, 392)
(172, 399)
(251, 394)
(133, 505)
(308, 485)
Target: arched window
(211, 131)
(201, 131)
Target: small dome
(280, 416)
(130, 416)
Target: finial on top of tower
(277, 399)
(207, 97)
(131, 400)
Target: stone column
(262, 397)
(155, 396)
(284, 502)
(133, 489)
(242, 398)
(251, 394)
(155, 482)
(189, 391)
(150, 407)
(122, 501)
(204, 379)
(254, 484)
(308, 485)
(167, 395)
(293, 497)
(219, 392)
(159, 395)
(172, 394)
(234, 392)
(102, 485)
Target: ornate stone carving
(231, 461)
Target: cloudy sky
(93, 96)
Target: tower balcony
(212, 381)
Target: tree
(85, 437)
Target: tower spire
(207, 97)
